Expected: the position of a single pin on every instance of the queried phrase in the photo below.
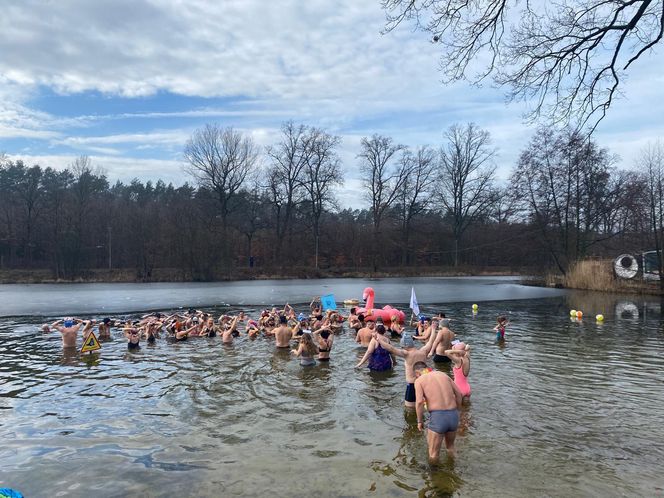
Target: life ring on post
(626, 266)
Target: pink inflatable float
(385, 313)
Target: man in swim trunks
(412, 356)
(69, 330)
(442, 343)
(283, 333)
(365, 334)
(443, 400)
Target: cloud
(251, 64)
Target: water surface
(53, 299)
(562, 408)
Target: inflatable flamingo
(386, 313)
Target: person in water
(460, 354)
(442, 343)
(502, 322)
(209, 329)
(306, 350)
(442, 398)
(366, 334)
(282, 334)
(231, 332)
(133, 339)
(412, 355)
(105, 329)
(355, 321)
(423, 330)
(396, 330)
(378, 356)
(324, 339)
(69, 331)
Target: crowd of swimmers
(311, 337)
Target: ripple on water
(557, 398)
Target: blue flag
(328, 302)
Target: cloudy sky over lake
(126, 83)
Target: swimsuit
(307, 361)
(437, 358)
(380, 360)
(500, 334)
(461, 381)
(410, 393)
(132, 345)
(151, 339)
(443, 421)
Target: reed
(592, 274)
(597, 275)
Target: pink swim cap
(459, 345)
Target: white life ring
(626, 266)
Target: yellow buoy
(475, 307)
(572, 312)
(599, 318)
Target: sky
(126, 82)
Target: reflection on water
(560, 407)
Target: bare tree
(285, 177)
(651, 162)
(382, 179)
(220, 159)
(565, 181)
(321, 173)
(568, 58)
(413, 196)
(466, 177)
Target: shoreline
(169, 276)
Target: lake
(562, 408)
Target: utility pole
(110, 266)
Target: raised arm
(392, 350)
(370, 349)
(429, 346)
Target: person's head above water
(407, 341)
(283, 320)
(380, 328)
(420, 368)
(68, 322)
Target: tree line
(274, 210)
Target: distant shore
(595, 275)
(172, 275)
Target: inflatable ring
(626, 266)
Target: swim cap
(407, 341)
(301, 317)
(445, 322)
(69, 322)
(459, 345)
(305, 331)
(107, 320)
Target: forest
(246, 211)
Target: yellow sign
(91, 343)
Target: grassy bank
(174, 275)
(597, 275)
